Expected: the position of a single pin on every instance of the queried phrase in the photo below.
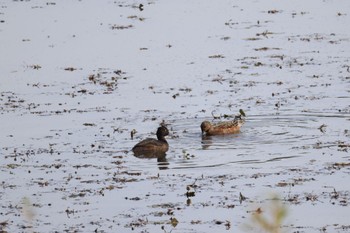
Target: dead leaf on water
(217, 56)
(273, 11)
(322, 128)
(174, 222)
(121, 27)
(241, 198)
(35, 67)
(70, 69)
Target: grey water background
(78, 76)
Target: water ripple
(263, 139)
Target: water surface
(78, 76)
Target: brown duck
(221, 128)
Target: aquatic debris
(215, 117)
(136, 17)
(242, 112)
(3, 225)
(322, 128)
(265, 49)
(132, 133)
(196, 222)
(225, 38)
(252, 38)
(133, 198)
(273, 11)
(187, 155)
(35, 67)
(138, 223)
(258, 64)
(341, 14)
(75, 195)
(227, 223)
(343, 147)
(83, 91)
(174, 221)
(189, 193)
(13, 166)
(219, 78)
(301, 13)
(217, 56)
(141, 7)
(311, 197)
(124, 180)
(42, 183)
(334, 194)
(68, 212)
(343, 227)
(36, 85)
(107, 79)
(347, 68)
(230, 23)
(70, 69)
(341, 196)
(89, 124)
(241, 198)
(121, 27)
(341, 165)
(265, 33)
(185, 89)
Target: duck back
(151, 144)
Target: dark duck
(152, 146)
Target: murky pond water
(77, 77)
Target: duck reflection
(207, 141)
(151, 148)
(162, 161)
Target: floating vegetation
(217, 56)
(121, 27)
(253, 38)
(265, 34)
(273, 11)
(242, 198)
(109, 80)
(136, 17)
(242, 112)
(266, 48)
(70, 69)
(322, 128)
(35, 67)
